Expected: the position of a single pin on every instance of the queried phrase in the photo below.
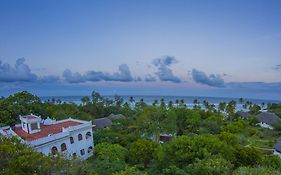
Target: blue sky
(185, 47)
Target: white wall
(264, 125)
(71, 148)
(277, 153)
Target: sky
(223, 48)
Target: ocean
(150, 99)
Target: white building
(70, 137)
(267, 119)
(277, 149)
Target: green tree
(111, 152)
(241, 100)
(256, 171)
(184, 150)
(230, 109)
(109, 158)
(130, 171)
(162, 103)
(170, 104)
(206, 104)
(277, 126)
(229, 138)
(196, 104)
(271, 161)
(172, 170)
(85, 100)
(254, 109)
(222, 106)
(118, 100)
(17, 158)
(213, 124)
(182, 103)
(247, 156)
(213, 166)
(253, 121)
(142, 151)
(154, 120)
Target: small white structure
(277, 149)
(70, 137)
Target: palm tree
(140, 104)
(177, 102)
(108, 102)
(262, 105)
(241, 100)
(245, 106)
(118, 100)
(196, 103)
(170, 104)
(96, 97)
(132, 101)
(222, 106)
(155, 102)
(230, 109)
(59, 101)
(85, 100)
(182, 104)
(162, 103)
(212, 107)
(206, 104)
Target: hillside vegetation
(205, 142)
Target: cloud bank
(123, 75)
(277, 67)
(21, 72)
(149, 78)
(164, 71)
(210, 80)
(73, 77)
(20, 75)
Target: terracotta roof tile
(45, 130)
(30, 117)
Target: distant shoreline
(150, 98)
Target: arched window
(88, 135)
(54, 150)
(63, 147)
(90, 149)
(71, 140)
(80, 137)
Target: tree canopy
(203, 139)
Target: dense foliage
(206, 140)
(17, 158)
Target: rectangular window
(82, 152)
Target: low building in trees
(70, 137)
(165, 138)
(267, 119)
(102, 123)
(106, 122)
(277, 149)
(243, 115)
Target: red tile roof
(30, 117)
(45, 130)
